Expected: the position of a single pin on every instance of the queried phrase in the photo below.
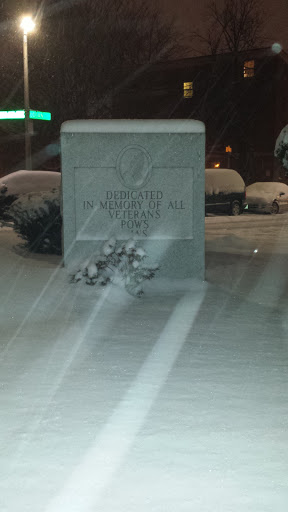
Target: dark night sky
(189, 14)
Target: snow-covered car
(267, 197)
(225, 191)
(17, 183)
(23, 182)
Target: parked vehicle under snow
(224, 191)
(15, 184)
(267, 197)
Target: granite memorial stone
(141, 179)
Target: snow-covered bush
(37, 220)
(5, 202)
(281, 148)
(121, 265)
(15, 184)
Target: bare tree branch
(236, 26)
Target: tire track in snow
(104, 458)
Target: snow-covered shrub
(5, 203)
(281, 148)
(121, 265)
(37, 220)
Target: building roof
(203, 60)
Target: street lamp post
(27, 25)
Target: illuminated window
(249, 68)
(187, 89)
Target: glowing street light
(27, 26)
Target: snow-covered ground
(176, 402)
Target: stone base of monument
(139, 179)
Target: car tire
(274, 208)
(235, 208)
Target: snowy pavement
(173, 402)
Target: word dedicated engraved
(164, 211)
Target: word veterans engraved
(142, 213)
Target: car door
(282, 200)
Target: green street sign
(20, 114)
(43, 116)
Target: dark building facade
(242, 99)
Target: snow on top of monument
(223, 180)
(23, 182)
(133, 126)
